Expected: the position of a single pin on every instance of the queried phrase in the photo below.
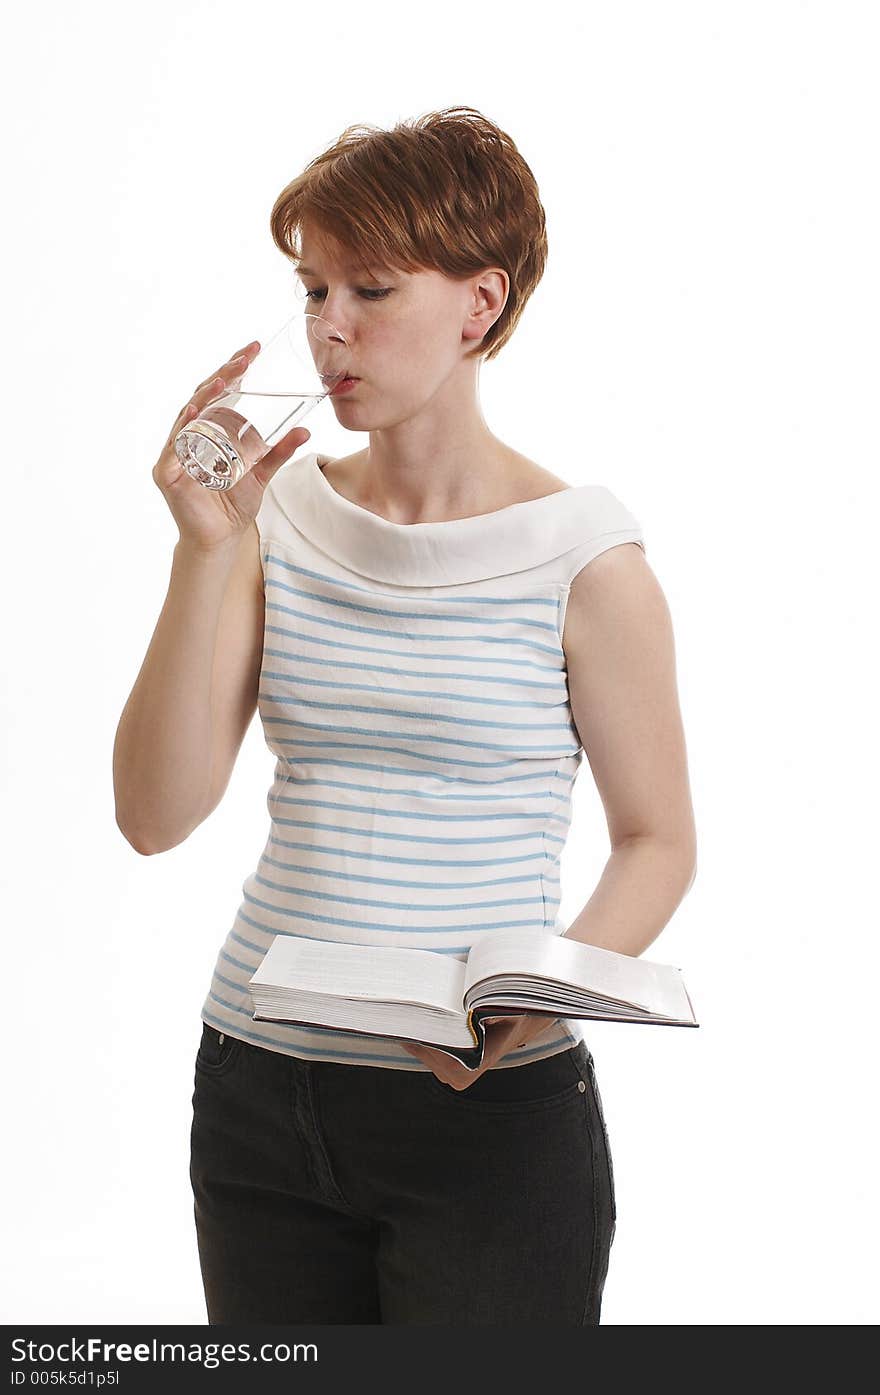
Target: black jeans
(330, 1193)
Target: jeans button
(223, 1038)
(581, 1086)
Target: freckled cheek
(377, 356)
(397, 362)
(421, 359)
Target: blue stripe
(467, 838)
(422, 600)
(538, 753)
(459, 951)
(415, 637)
(375, 856)
(520, 752)
(459, 697)
(336, 664)
(341, 900)
(335, 876)
(296, 700)
(236, 964)
(415, 793)
(437, 618)
(396, 653)
(414, 755)
(286, 774)
(374, 811)
(445, 695)
(408, 929)
(456, 951)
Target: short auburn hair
(448, 191)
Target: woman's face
(404, 331)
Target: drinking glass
(294, 371)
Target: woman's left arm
(620, 655)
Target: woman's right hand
(209, 518)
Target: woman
(434, 629)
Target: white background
(709, 175)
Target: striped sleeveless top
(413, 691)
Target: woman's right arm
(196, 692)
(194, 697)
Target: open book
(429, 997)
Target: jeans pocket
(553, 1080)
(217, 1050)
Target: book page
(359, 971)
(642, 983)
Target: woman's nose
(327, 332)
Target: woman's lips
(345, 386)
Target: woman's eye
(368, 292)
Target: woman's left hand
(502, 1033)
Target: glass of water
(295, 370)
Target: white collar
(513, 539)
